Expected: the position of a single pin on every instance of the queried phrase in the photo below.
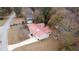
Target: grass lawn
(2, 22)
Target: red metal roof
(44, 28)
(38, 29)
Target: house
(40, 31)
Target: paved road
(4, 33)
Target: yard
(17, 34)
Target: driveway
(33, 44)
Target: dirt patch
(16, 36)
(17, 33)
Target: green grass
(2, 22)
